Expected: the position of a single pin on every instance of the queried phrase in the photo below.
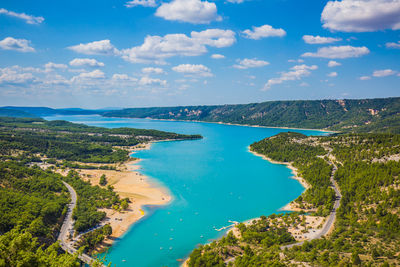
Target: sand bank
(128, 182)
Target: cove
(212, 181)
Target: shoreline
(232, 124)
(290, 206)
(129, 183)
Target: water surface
(212, 181)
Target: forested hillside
(364, 115)
(367, 227)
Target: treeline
(69, 127)
(358, 115)
(67, 141)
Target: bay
(213, 181)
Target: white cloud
(215, 37)
(250, 63)
(20, 45)
(217, 56)
(333, 63)
(158, 48)
(364, 78)
(296, 73)
(345, 51)
(309, 39)
(52, 66)
(96, 74)
(103, 47)
(28, 18)
(263, 32)
(123, 77)
(361, 15)
(296, 60)
(153, 70)
(332, 74)
(192, 11)
(14, 76)
(78, 62)
(393, 45)
(197, 70)
(235, 1)
(383, 73)
(145, 3)
(150, 81)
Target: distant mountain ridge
(358, 115)
(45, 111)
(6, 112)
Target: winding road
(67, 228)
(329, 223)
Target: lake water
(212, 181)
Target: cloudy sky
(115, 53)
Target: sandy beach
(129, 182)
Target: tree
(124, 204)
(103, 180)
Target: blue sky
(137, 53)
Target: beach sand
(128, 182)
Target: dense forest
(364, 115)
(34, 154)
(367, 226)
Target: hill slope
(363, 115)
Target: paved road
(329, 224)
(67, 228)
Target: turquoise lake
(212, 181)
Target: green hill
(6, 112)
(362, 115)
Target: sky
(144, 53)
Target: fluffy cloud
(53, 66)
(250, 63)
(153, 70)
(309, 39)
(20, 45)
(123, 77)
(103, 47)
(96, 74)
(296, 73)
(79, 62)
(365, 78)
(235, 1)
(333, 63)
(345, 51)
(383, 73)
(193, 11)
(193, 70)
(263, 32)
(150, 81)
(361, 15)
(393, 45)
(145, 3)
(215, 37)
(296, 60)
(14, 76)
(217, 56)
(158, 48)
(28, 18)
(332, 74)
